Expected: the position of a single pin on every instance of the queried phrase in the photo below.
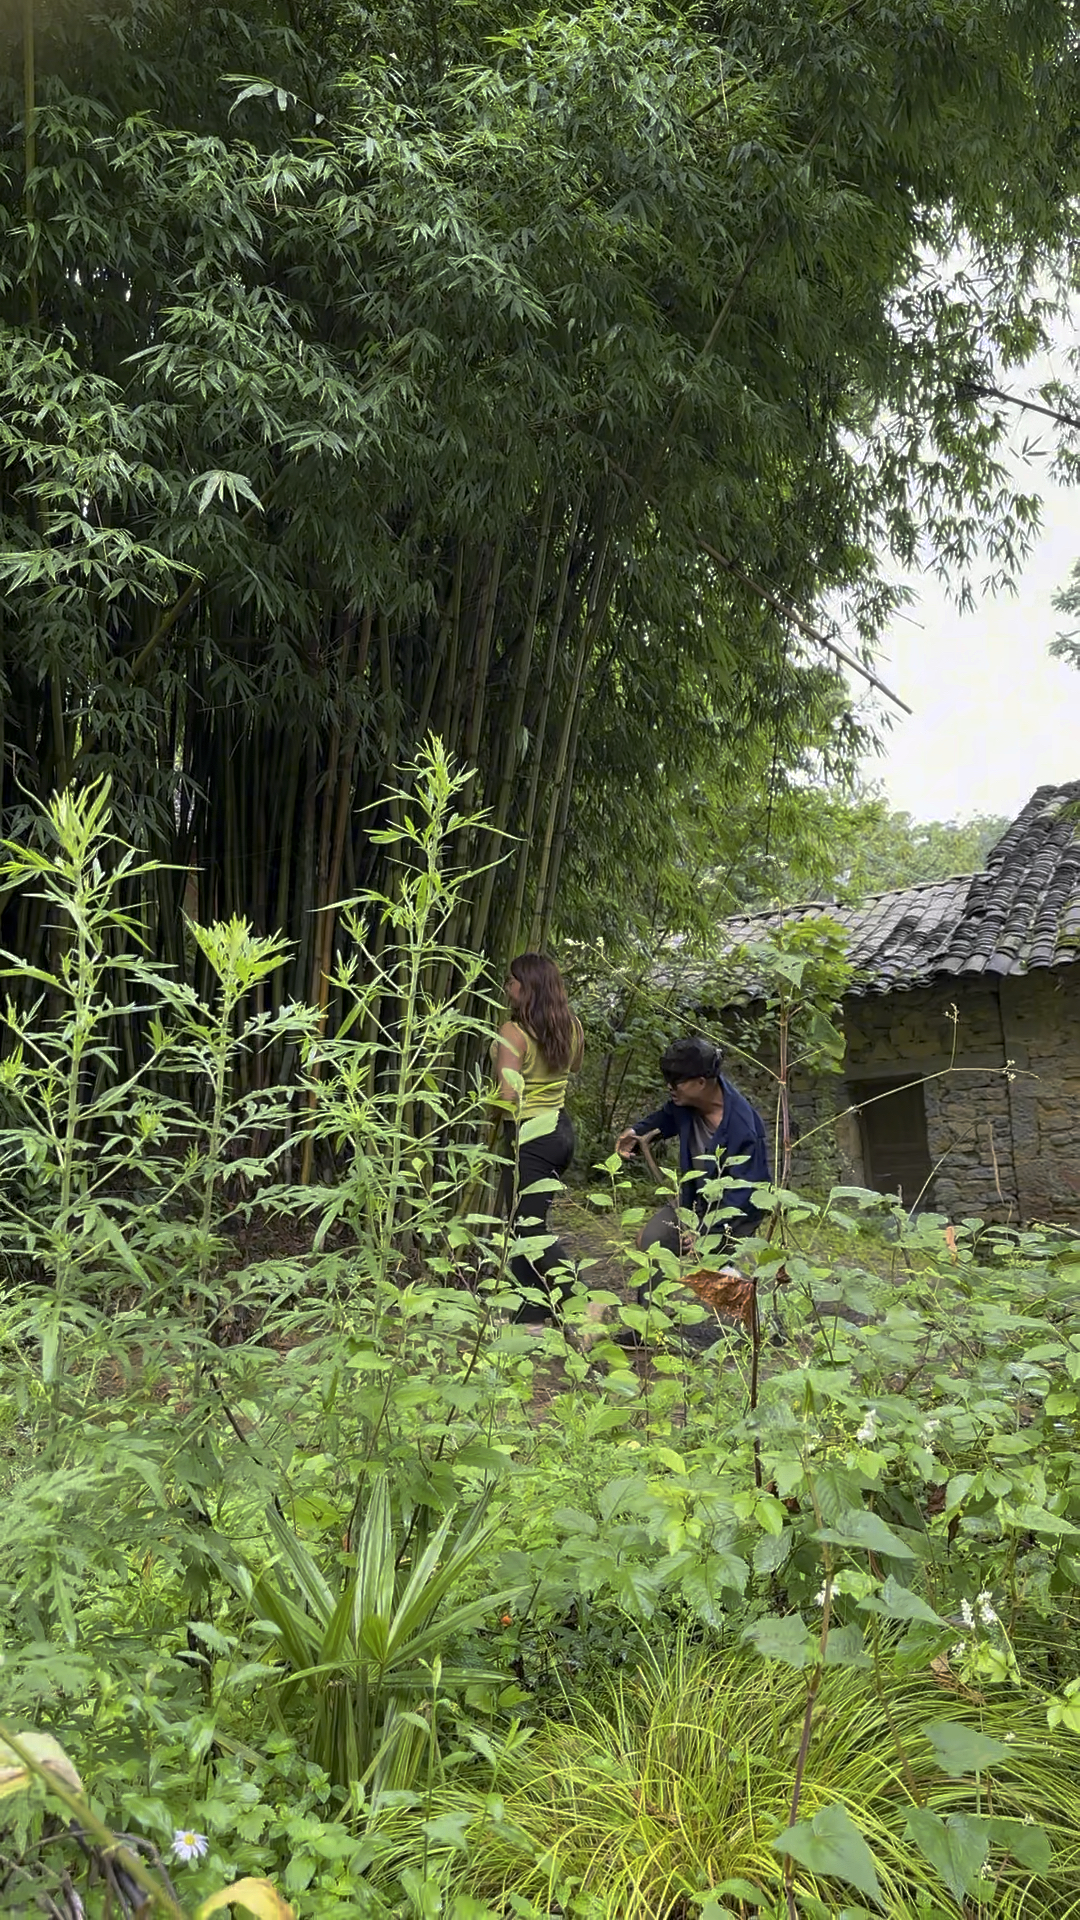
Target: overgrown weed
(230, 1582)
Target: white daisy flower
(189, 1845)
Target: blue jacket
(740, 1137)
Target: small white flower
(986, 1611)
(868, 1429)
(930, 1427)
(957, 1650)
(188, 1845)
(1010, 1736)
(819, 1597)
(966, 1614)
(1029, 1818)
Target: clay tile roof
(1022, 912)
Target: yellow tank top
(545, 1086)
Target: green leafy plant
(364, 1654)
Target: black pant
(544, 1158)
(715, 1245)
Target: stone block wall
(1001, 1061)
(953, 1036)
(1041, 1016)
(968, 1128)
(827, 1147)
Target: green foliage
(411, 1611)
(367, 1650)
(828, 846)
(376, 372)
(889, 849)
(672, 1783)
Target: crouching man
(720, 1135)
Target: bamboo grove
(533, 379)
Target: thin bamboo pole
(332, 873)
(450, 622)
(540, 732)
(511, 746)
(596, 606)
(59, 770)
(478, 691)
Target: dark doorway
(896, 1153)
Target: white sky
(994, 716)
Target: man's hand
(628, 1141)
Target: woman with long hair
(538, 1048)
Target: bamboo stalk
(332, 880)
(30, 161)
(478, 690)
(510, 940)
(33, 303)
(479, 682)
(565, 801)
(595, 607)
(449, 621)
(454, 682)
(501, 810)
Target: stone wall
(952, 1035)
(1041, 1015)
(1000, 1062)
(827, 1148)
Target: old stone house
(965, 1013)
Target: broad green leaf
(863, 1530)
(1029, 1844)
(736, 1889)
(898, 1602)
(1063, 1709)
(844, 1647)
(771, 1551)
(1030, 1518)
(956, 1848)
(960, 1749)
(570, 1520)
(449, 1830)
(783, 1637)
(831, 1844)
(705, 1584)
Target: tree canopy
(528, 377)
(829, 846)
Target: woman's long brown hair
(544, 1010)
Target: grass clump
(670, 1786)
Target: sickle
(646, 1154)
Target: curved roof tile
(1022, 912)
